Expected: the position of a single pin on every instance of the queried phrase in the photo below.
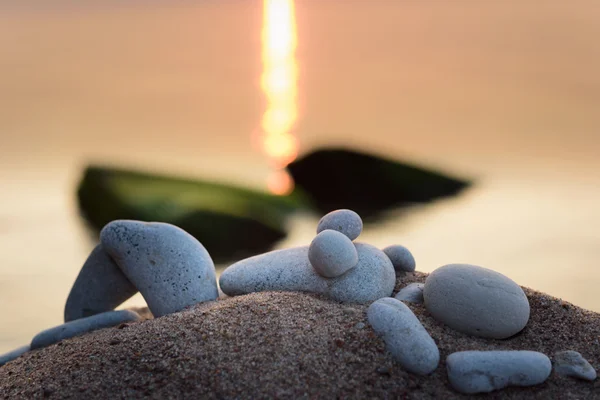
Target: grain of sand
(284, 345)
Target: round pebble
(290, 270)
(332, 254)
(484, 371)
(401, 258)
(166, 264)
(572, 363)
(345, 221)
(476, 301)
(404, 335)
(412, 293)
(100, 286)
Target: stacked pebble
(332, 265)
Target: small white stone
(572, 363)
(404, 335)
(401, 258)
(290, 270)
(476, 301)
(168, 266)
(412, 293)
(332, 254)
(81, 326)
(345, 221)
(484, 371)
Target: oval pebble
(412, 293)
(81, 326)
(572, 363)
(401, 258)
(14, 354)
(169, 266)
(484, 371)
(404, 335)
(290, 270)
(100, 286)
(345, 221)
(476, 301)
(332, 254)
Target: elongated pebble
(332, 254)
(81, 326)
(100, 286)
(412, 293)
(401, 258)
(290, 270)
(404, 335)
(13, 354)
(484, 371)
(169, 266)
(571, 363)
(345, 221)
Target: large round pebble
(332, 254)
(169, 266)
(405, 337)
(100, 286)
(290, 270)
(476, 301)
(412, 293)
(571, 363)
(484, 371)
(401, 258)
(81, 326)
(345, 221)
(14, 354)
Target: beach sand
(284, 345)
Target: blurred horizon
(505, 93)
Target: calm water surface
(506, 93)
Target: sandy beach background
(506, 93)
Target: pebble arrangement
(172, 270)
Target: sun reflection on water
(279, 83)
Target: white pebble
(166, 264)
(290, 270)
(572, 363)
(401, 258)
(404, 335)
(412, 293)
(484, 371)
(332, 254)
(476, 301)
(345, 221)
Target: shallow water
(505, 93)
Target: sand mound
(283, 345)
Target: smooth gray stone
(81, 326)
(404, 335)
(412, 293)
(169, 267)
(289, 270)
(99, 287)
(345, 221)
(484, 371)
(476, 301)
(401, 258)
(332, 254)
(572, 363)
(14, 354)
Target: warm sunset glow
(280, 183)
(279, 84)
